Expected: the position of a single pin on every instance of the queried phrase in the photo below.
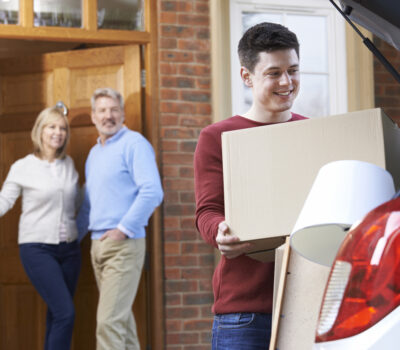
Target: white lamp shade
(343, 192)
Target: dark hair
(264, 37)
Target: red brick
(187, 197)
(177, 31)
(202, 8)
(176, 56)
(173, 273)
(206, 337)
(181, 235)
(172, 248)
(180, 286)
(194, 69)
(170, 171)
(177, 6)
(179, 209)
(388, 101)
(198, 121)
(204, 58)
(186, 172)
(196, 347)
(178, 159)
(171, 196)
(168, 18)
(174, 325)
(203, 33)
(177, 133)
(182, 338)
(205, 311)
(207, 260)
(174, 299)
(188, 223)
(203, 84)
(203, 108)
(168, 94)
(177, 82)
(193, 19)
(171, 222)
(196, 273)
(168, 68)
(182, 107)
(196, 96)
(169, 119)
(168, 43)
(182, 184)
(393, 90)
(197, 298)
(169, 6)
(169, 145)
(197, 325)
(188, 146)
(181, 260)
(182, 312)
(192, 247)
(193, 45)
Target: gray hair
(107, 92)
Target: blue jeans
(241, 331)
(53, 269)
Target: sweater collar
(44, 162)
(115, 137)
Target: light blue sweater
(123, 186)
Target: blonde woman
(47, 236)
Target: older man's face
(107, 116)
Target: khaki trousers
(117, 267)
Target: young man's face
(275, 80)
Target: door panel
(29, 84)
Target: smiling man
(123, 188)
(269, 56)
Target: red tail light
(364, 284)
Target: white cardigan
(46, 199)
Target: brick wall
(387, 89)
(185, 108)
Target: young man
(123, 188)
(269, 56)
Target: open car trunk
(380, 17)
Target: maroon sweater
(241, 284)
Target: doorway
(29, 83)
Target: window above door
(115, 21)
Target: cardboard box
(301, 301)
(269, 170)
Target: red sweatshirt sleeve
(209, 189)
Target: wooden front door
(28, 85)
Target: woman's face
(54, 134)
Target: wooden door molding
(28, 85)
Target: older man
(122, 190)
